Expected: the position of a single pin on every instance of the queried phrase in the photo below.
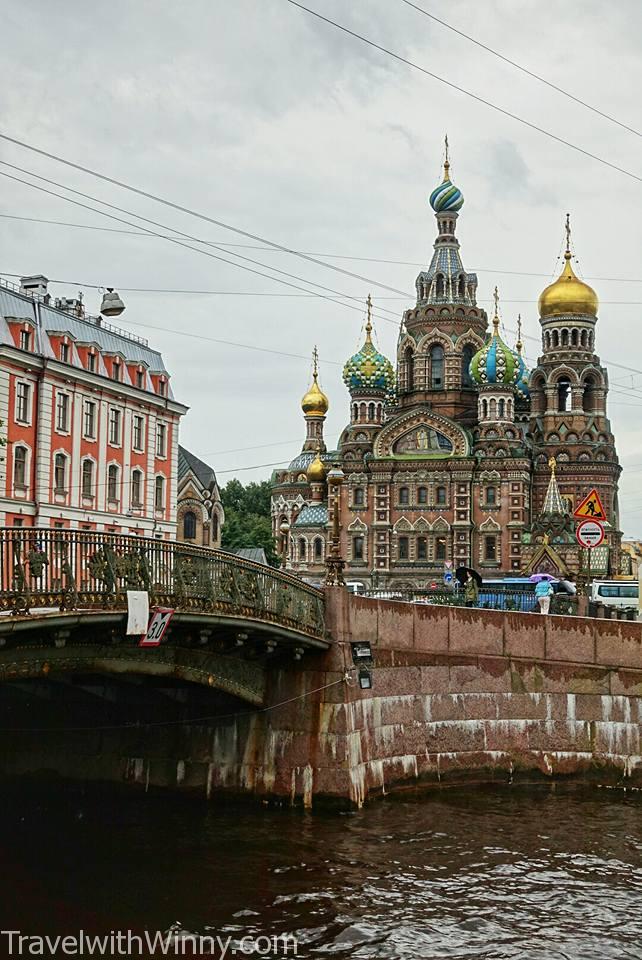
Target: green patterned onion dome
(368, 369)
(521, 384)
(495, 363)
(446, 198)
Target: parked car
(615, 593)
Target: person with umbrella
(543, 590)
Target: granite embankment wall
(458, 695)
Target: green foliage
(247, 518)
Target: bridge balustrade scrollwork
(77, 569)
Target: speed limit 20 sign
(157, 627)
(589, 533)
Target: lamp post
(284, 529)
(334, 561)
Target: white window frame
(23, 487)
(117, 498)
(92, 495)
(119, 438)
(65, 429)
(85, 404)
(140, 503)
(65, 486)
(160, 508)
(29, 401)
(161, 433)
(141, 447)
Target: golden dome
(568, 294)
(315, 402)
(316, 471)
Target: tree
(247, 518)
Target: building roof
(257, 554)
(187, 463)
(313, 515)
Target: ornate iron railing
(77, 569)
(490, 598)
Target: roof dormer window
(116, 368)
(140, 379)
(25, 339)
(64, 352)
(91, 362)
(162, 387)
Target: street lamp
(334, 561)
(284, 529)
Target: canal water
(506, 873)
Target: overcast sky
(256, 114)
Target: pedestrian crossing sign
(590, 508)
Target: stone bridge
(254, 692)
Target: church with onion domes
(459, 455)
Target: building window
(466, 358)
(20, 467)
(87, 478)
(302, 546)
(114, 426)
(563, 395)
(137, 488)
(161, 439)
(357, 547)
(422, 548)
(437, 366)
(491, 496)
(64, 352)
(62, 412)
(91, 362)
(318, 549)
(60, 473)
(159, 493)
(23, 402)
(358, 497)
(490, 548)
(403, 548)
(404, 496)
(440, 548)
(189, 525)
(162, 387)
(441, 496)
(410, 369)
(422, 495)
(112, 482)
(138, 433)
(25, 339)
(90, 420)
(116, 370)
(140, 379)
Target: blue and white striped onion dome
(521, 384)
(495, 363)
(368, 369)
(446, 198)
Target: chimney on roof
(34, 286)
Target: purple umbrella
(536, 577)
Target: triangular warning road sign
(590, 508)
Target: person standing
(471, 591)
(544, 592)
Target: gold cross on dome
(315, 362)
(567, 228)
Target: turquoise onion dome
(495, 363)
(368, 369)
(446, 198)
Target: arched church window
(565, 338)
(563, 394)
(466, 357)
(302, 546)
(362, 411)
(422, 495)
(422, 548)
(355, 411)
(490, 547)
(440, 548)
(556, 338)
(189, 525)
(574, 337)
(436, 366)
(491, 496)
(318, 549)
(404, 496)
(462, 287)
(357, 547)
(501, 406)
(485, 409)
(410, 368)
(403, 548)
(589, 396)
(358, 497)
(371, 411)
(440, 285)
(441, 496)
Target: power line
(468, 93)
(518, 66)
(330, 256)
(175, 240)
